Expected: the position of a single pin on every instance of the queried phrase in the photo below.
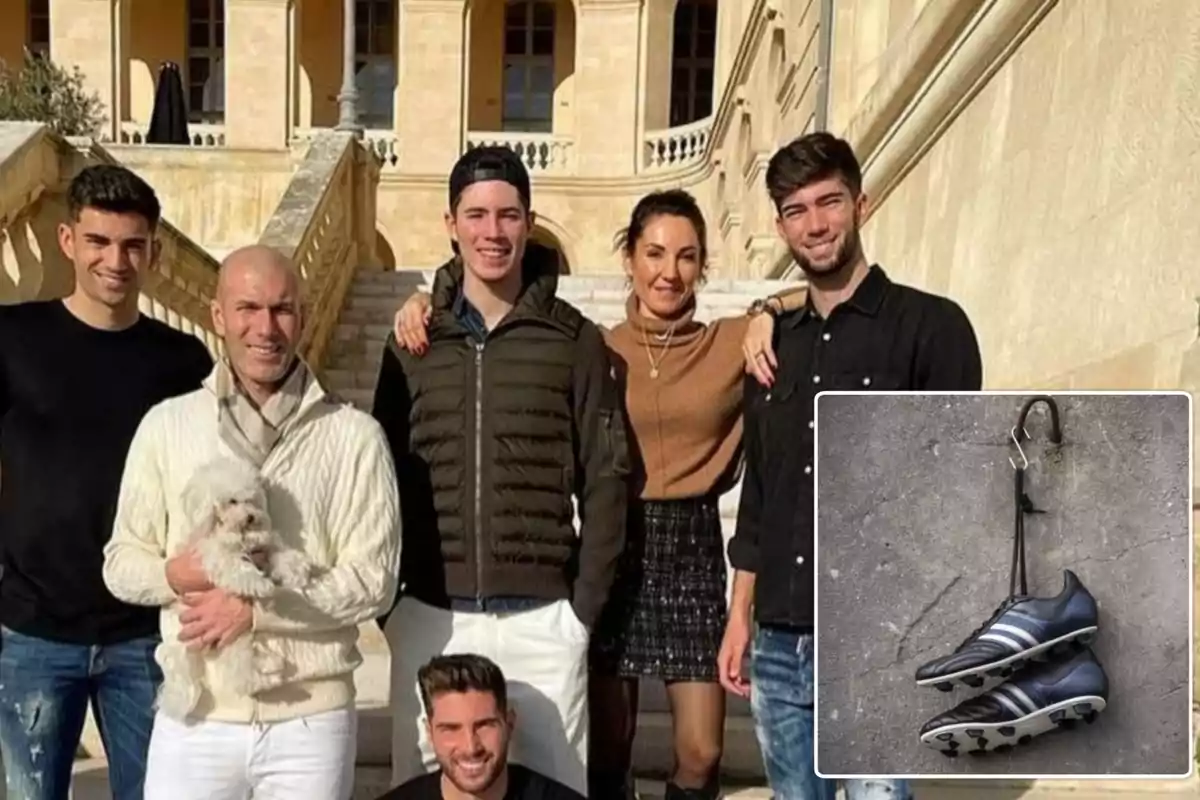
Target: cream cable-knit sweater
(332, 492)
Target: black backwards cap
(489, 163)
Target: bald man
(331, 489)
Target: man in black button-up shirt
(859, 331)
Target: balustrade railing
(200, 134)
(676, 147)
(540, 152)
(380, 141)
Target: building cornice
(757, 24)
(574, 186)
(891, 135)
(906, 113)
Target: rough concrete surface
(915, 526)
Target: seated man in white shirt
(331, 493)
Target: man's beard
(494, 770)
(845, 256)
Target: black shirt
(886, 337)
(71, 398)
(523, 784)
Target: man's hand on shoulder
(214, 618)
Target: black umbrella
(168, 123)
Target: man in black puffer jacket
(509, 418)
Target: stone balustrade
(541, 152)
(200, 134)
(35, 166)
(678, 147)
(383, 142)
(317, 225)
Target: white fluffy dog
(226, 503)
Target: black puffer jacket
(493, 440)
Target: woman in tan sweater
(683, 383)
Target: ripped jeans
(45, 688)
(781, 680)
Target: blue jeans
(45, 688)
(781, 696)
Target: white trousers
(543, 654)
(310, 757)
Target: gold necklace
(662, 354)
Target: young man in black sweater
(470, 726)
(76, 376)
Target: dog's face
(242, 513)
(233, 493)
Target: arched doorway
(383, 252)
(547, 239)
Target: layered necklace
(665, 338)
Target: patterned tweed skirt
(666, 614)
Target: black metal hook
(1055, 426)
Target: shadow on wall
(384, 253)
(547, 239)
(32, 266)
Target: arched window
(692, 59)
(205, 69)
(528, 66)
(37, 34)
(375, 61)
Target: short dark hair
(115, 189)
(459, 673)
(671, 203)
(808, 159)
(489, 163)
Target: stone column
(348, 97)
(94, 35)
(658, 29)
(606, 74)
(430, 89)
(258, 73)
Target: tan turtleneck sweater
(687, 422)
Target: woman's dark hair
(670, 203)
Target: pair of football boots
(1040, 648)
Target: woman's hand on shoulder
(759, 350)
(411, 323)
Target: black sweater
(71, 398)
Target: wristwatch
(762, 306)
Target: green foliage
(42, 91)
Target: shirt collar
(867, 298)
(467, 315)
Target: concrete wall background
(915, 523)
